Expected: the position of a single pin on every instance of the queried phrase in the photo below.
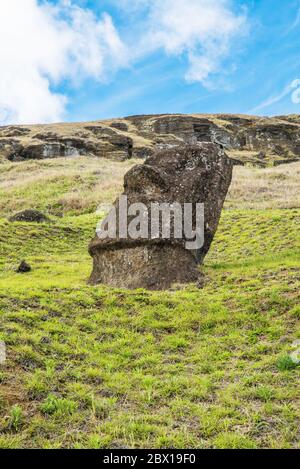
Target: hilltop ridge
(248, 139)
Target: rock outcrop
(23, 268)
(245, 138)
(29, 215)
(193, 174)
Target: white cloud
(292, 88)
(42, 45)
(295, 97)
(202, 30)
(296, 22)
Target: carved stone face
(199, 174)
(181, 174)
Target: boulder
(24, 268)
(120, 126)
(142, 152)
(2, 352)
(29, 216)
(190, 174)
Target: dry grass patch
(266, 188)
(79, 185)
(60, 185)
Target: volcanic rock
(29, 216)
(24, 268)
(243, 137)
(194, 174)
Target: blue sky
(95, 59)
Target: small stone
(261, 155)
(2, 353)
(296, 344)
(295, 357)
(23, 268)
(29, 216)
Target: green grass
(93, 367)
(60, 186)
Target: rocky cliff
(257, 140)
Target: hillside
(94, 367)
(72, 186)
(259, 140)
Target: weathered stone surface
(281, 162)
(120, 126)
(13, 131)
(142, 153)
(29, 215)
(24, 268)
(185, 174)
(2, 352)
(243, 137)
(92, 140)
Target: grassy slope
(95, 367)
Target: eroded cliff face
(247, 139)
(257, 140)
(63, 140)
